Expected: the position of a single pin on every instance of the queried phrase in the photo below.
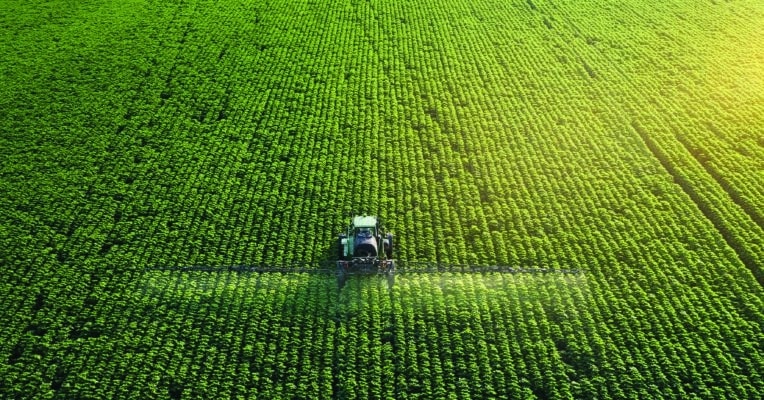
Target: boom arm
(401, 267)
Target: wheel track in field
(743, 252)
(744, 205)
(125, 134)
(746, 247)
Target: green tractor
(365, 248)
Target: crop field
(624, 139)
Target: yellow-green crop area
(624, 139)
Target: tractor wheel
(390, 279)
(341, 279)
(389, 246)
(340, 248)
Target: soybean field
(621, 139)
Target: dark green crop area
(623, 139)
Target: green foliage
(623, 140)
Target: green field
(623, 139)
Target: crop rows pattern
(622, 140)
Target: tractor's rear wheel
(340, 248)
(341, 279)
(389, 246)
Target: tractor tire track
(711, 213)
(744, 205)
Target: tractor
(365, 248)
